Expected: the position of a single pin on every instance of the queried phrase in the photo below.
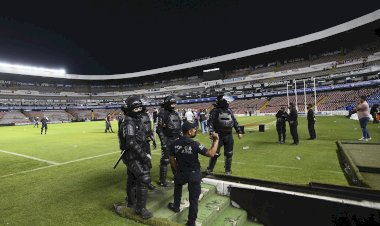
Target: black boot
(211, 164)
(151, 187)
(131, 197)
(227, 165)
(163, 172)
(142, 195)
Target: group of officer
(282, 117)
(177, 149)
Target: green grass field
(66, 177)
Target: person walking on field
(293, 123)
(311, 122)
(44, 121)
(281, 117)
(364, 117)
(222, 120)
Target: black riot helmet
(222, 101)
(170, 102)
(133, 106)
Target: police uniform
(132, 138)
(186, 150)
(168, 130)
(281, 116)
(222, 120)
(147, 123)
(293, 123)
(310, 123)
(120, 119)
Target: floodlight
(213, 69)
(23, 69)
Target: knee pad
(145, 179)
(164, 161)
(228, 154)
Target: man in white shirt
(189, 115)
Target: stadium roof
(116, 37)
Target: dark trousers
(227, 141)
(310, 127)
(294, 132)
(281, 131)
(193, 179)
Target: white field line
(59, 164)
(331, 171)
(87, 158)
(283, 167)
(30, 157)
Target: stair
(213, 209)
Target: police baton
(118, 160)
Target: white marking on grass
(87, 158)
(27, 171)
(332, 171)
(283, 167)
(30, 157)
(58, 164)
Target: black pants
(294, 132)
(226, 140)
(281, 131)
(193, 179)
(164, 161)
(310, 127)
(43, 127)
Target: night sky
(115, 36)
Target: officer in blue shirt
(184, 161)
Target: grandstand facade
(342, 61)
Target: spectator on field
(364, 117)
(203, 120)
(35, 120)
(374, 111)
(44, 121)
(108, 124)
(189, 115)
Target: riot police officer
(184, 160)
(222, 120)
(147, 123)
(293, 123)
(168, 130)
(281, 117)
(132, 139)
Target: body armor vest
(173, 124)
(146, 123)
(224, 122)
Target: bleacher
(58, 116)
(14, 117)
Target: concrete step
(232, 216)
(164, 212)
(213, 209)
(208, 209)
